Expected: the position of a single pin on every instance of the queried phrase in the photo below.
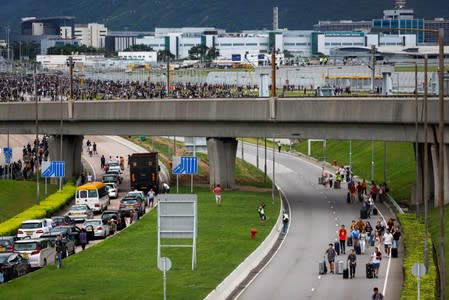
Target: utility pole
(442, 259)
(168, 74)
(36, 142)
(425, 171)
(273, 72)
(416, 142)
(373, 67)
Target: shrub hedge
(46, 208)
(413, 232)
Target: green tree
(198, 52)
(162, 55)
(212, 54)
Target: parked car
(131, 203)
(96, 229)
(7, 243)
(33, 228)
(68, 241)
(111, 178)
(39, 252)
(112, 215)
(73, 230)
(117, 172)
(80, 212)
(62, 221)
(112, 189)
(12, 265)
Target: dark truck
(144, 171)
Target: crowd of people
(25, 167)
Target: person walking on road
(376, 257)
(217, 192)
(352, 259)
(285, 222)
(388, 241)
(150, 198)
(377, 295)
(342, 238)
(83, 238)
(330, 252)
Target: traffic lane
(308, 236)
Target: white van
(39, 252)
(94, 195)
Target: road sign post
(418, 270)
(164, 264)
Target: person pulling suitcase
(352, 261)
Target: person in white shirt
(388, 241)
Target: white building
(91, 35)
(145, 56)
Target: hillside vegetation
(230, 15)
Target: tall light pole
(442, 259)
(36, 143)
(60, 128)
(417, 167)
(425, 171)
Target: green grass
(125, 265)
(413, 238)
(400, 160)
(13, 202)
(411, 69)
(434, 228)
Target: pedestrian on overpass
(217, 192)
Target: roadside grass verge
(413, 238)
(434, 228)
(400, 162)
(125, 265)
(18, 195)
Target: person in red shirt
(217, 192)
(342, 238)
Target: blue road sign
(8, 155)
(186, 165)
(53, 169)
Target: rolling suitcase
(340, 267)
(394, 252)
(336, 184)
(369, 271)
(320, 180)
(364, 213)
(357, 249)
(375, 212)
(349, 241)
(346, 271)
(372, 242)
(322, 268)
(348, 197)
(337, 247)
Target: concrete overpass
(222, 120)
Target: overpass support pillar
(222, 153)
(418, 191)
(434, 153)
(72, 146)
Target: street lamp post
(36, 142)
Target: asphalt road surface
(316, 214)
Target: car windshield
(30, 246)
(87, 194)
(5, 243)
(78, 208)
(4, 257)
(50, 236)
(30, 225)
(92, 222)
(109, 178)
(131, 201)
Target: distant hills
(231, 15)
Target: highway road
(316, 214)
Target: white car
(80, 212)
(112, 189)
(34, 228)
(39, 252)
(96, 225)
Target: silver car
(96, 226)
(80, 212)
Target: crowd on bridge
(53, 87)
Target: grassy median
(124, 266)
